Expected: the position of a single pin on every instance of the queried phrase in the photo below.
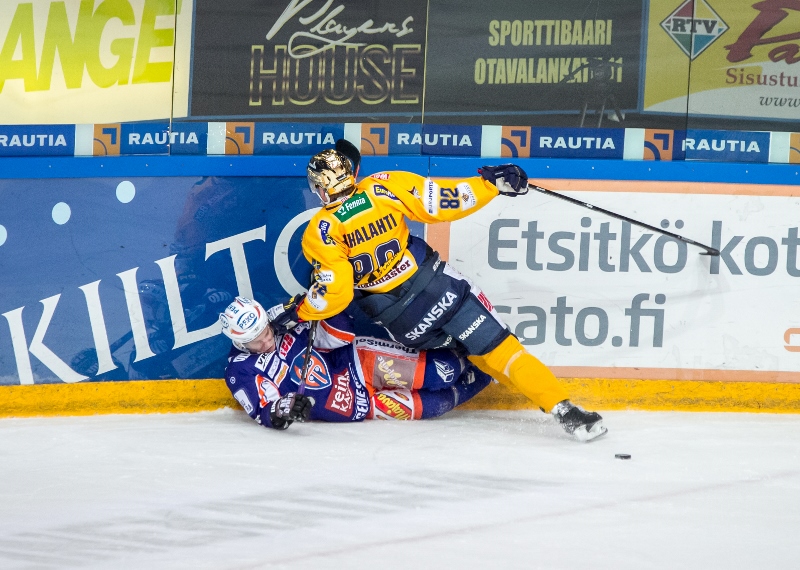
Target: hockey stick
(312, 333)
(350, 151)
(707, 250)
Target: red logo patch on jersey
(340, 399)
(381, 176)
(485, 302)
(393, 405)
(286, 345)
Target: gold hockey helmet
(330, 176)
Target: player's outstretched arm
(334, 332)
(509, 179)
(284, 317)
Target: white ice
(470, 490)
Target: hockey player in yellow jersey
(360, 248)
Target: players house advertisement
(295, 58)
(89, 61)
(524, 58)
(740, 58)
(592, 296)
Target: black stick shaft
(708, 250)
(312, 333)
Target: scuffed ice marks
(251, 517)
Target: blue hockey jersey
(342, 376)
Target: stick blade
(350, 151)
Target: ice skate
(582, 425)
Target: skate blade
(596, 430)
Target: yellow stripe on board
(168, 396)
(132, 397)
(657, 395)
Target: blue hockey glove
(510, 179)
(290, 408)
(283, 318)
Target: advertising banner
(526, 142)
(37, 140)
(311, 59)
(739, 58)
(90, 61)
(116, 279)
(529, 58)
(596, 297)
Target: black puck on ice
(622, 456)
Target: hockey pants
(439, 307)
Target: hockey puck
(622, 456)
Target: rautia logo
(694, 26)
(577, 142)
(297, 138)
(41, 140)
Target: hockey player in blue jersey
(350, 378)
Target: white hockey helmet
(243, 321)
(330, 176)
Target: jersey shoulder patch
(382, 191)
(353, 206)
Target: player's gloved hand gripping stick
(312, 333)
(295, 406)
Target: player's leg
(451, 310)
(425, 404)
(511, 364)
(442, 368)
(480, 330)
(478, 327)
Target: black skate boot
(582, 425)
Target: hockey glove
(283, 318)
(510, 179)
(290, 408)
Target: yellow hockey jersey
(362, 243)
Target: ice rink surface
(470, 490)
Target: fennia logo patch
(355, 205)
